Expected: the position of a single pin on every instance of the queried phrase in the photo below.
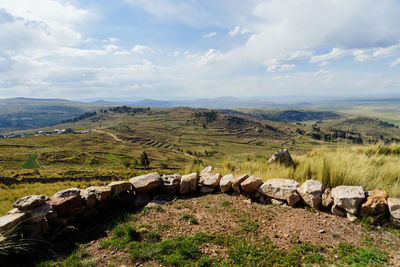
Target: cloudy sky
(167, 49)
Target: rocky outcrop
(171, 183)
(348, 198)
(188, 184)
(89, 198)
(282, 189)
(283, 157)
(235, 182)
(311, 193)
(251, 184)
(30, 202)
(146, 184)
(226, 183)
(376, 202)
(210, 179)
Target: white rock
(145, 184)
(67, 193)
(279, 188)
(351, 217)
(348, 198)
(311, 191)
(226, 183)
(120, 186)
(207, 169)
(171, 183)
(188, 183)
(30, 202)
(327, 198)
(394, 208)
(210, 179)
(251, 184)
(237, 181)
(9, 221)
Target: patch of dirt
(226, 214)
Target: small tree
(144, 160)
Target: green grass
(190, 218)
(31, 163)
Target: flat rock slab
(120, 186)
(67, 206)
(67, 192)
(311, 193)
(146, 184)
(30, 202)
(394, 208)
(279, 188)
(9, 221)
(171, 183)
(237, 181)
(226, 183)
(251, 184)
(348, 198)
(102, 192)
(210, 179)
(188, 183)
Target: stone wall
(42, 215)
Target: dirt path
(116, 138)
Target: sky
(182, 49)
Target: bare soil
(228, 214)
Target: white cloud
(238, 30)
(211, 56)
(142, 49)
(209, 35)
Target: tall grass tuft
(368, 166)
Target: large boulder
(210, 179)
(226, 183)
(171, 183)
(237, 181)
(283, 157)
(348, 198)
(311, 191)
(279, 188)
(251, 184)
(68, 192)
(376, 202)
(189, 183)
(394, 209)
(102, 192)
(11, 220)
(146, 184)
(120, 186)
(30, 202)
(67, 206)
(327, 199)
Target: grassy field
(181, 140)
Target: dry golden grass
(9, 194)
(368, 166)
